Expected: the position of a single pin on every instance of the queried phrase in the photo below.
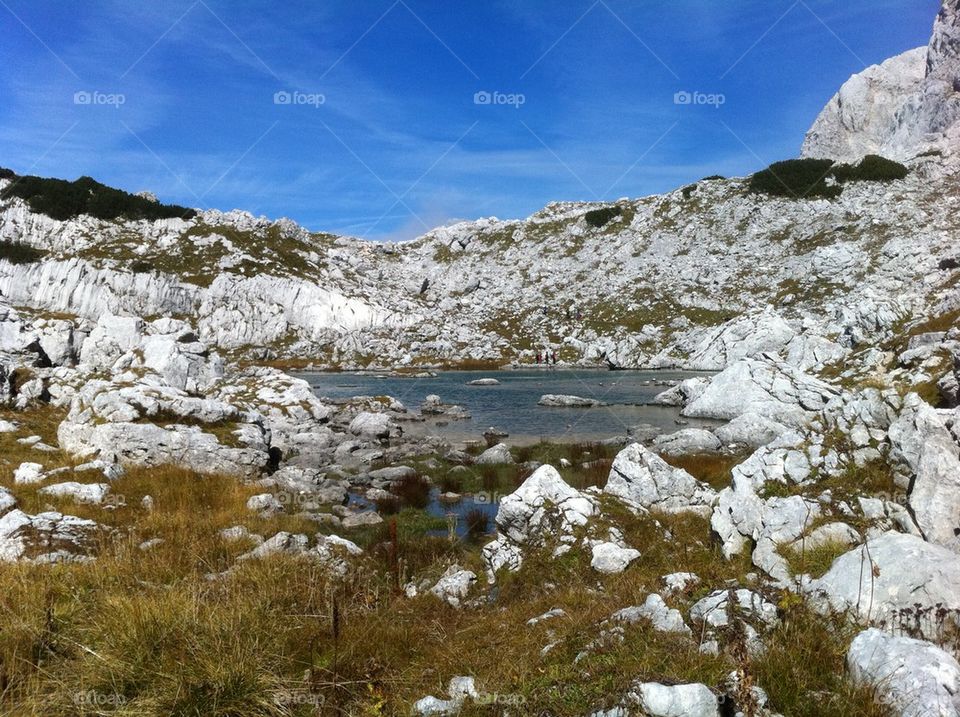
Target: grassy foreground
(149, 632)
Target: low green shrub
(7, 173)
(141, 266)
(872, 168)
(601, 217)
(19, 253)
(802, 178)
(797, 178)
(61, 199)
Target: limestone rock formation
(902, 108)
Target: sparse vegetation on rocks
(17, 252)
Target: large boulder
(643, 480)
(150, 425)
(375, 426)
(810, 352)
(544, 508)
(92, 493)
(751, 430)
(181, 358)
(743, 337)
(926, 443)
(742, 518)
(494, 455)
(610, 558)
(59, 340)
(690, 700)
(112, 337)
(687, 441)
(764, 386)
(888, 574)
(544, 505)
(912, 677)
(683, 392)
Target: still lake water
(512, 406)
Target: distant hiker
(554, 357)
(538, 358)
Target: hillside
(645, 288)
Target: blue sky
(384, 137)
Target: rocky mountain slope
(905, 107)
(651, 286)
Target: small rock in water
(560, 401)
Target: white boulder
(611, 559)
(655, 611)
(28, 473)
(690, 700)
(643, 480)
(765, 386)
(494, 455)
(92, 493)
(912, 677)
(454, 586)
(887, 574)
(45, 537)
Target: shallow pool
(512, 405)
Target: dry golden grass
(711, 468)
(149, 633)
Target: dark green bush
(19, 253)
(689, 190)
(713, 178)
(7, 173)
(60, 199)
(801, 178)
(599, 217)
(798, 178)
(141, 266)
(872, 168)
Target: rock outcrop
(644, 481)
(544, 508)
(900, 109)
(927, 445)
(912, 677)
(762, 386)
(892, 573)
